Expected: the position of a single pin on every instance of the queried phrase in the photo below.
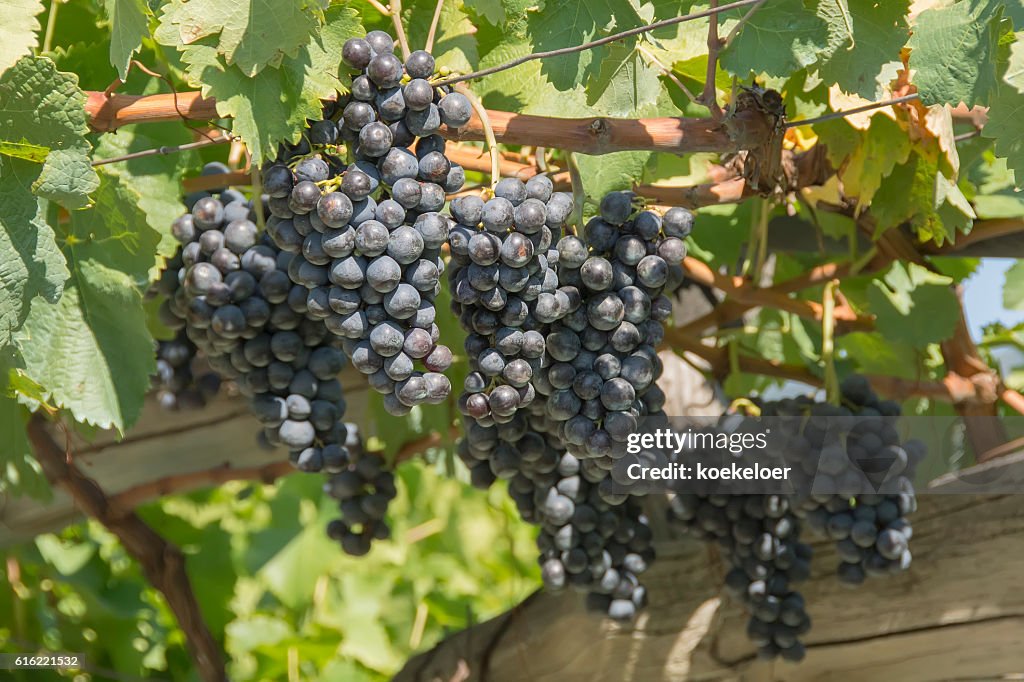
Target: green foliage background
(79, 244)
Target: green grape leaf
(781, 37)
(1006, 114)
(31, 264)
(20, 473)
(879, 31)
(24, 150)
(129, 24)
(885, 146)
(91, 350)
(568, 23)
(877, 354)
(610, 172)
(18, 31)
(919, 193)
(156, 179)
(273, 106)
(44, 107)
(455, 45)
(953, 53)
(252, 35)
(913, 305)
(1013, 287)
(526, 89)
(491, 10)
(625, 83)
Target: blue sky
(983, 296)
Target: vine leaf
(625, 83)
(1013, 288)
(274, 105)
(45, 108)
(780, 38)
(18, 31)
(526, 89)
(913, 305)
(1006, 115)
(490, 10)
(91, 351)
(156, 179)
(30, 263)
(610, 172)
(917, 192)
(953, 52)
(875, 354)
(884, 146)
(455, 44)
(879, 31)
(20, 473)
(129, 24)
(252, 35)
(567, 23)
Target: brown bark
(162, 562)
(596, 135)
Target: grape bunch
(759, 536)
(852, 476)
(861, 489)
(182, 382)
(505, 292)
(367, 236)
(601, 364)
(527, 312)
(239, 308)
(178, 387)
(363, 488)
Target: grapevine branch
(745, 292)
(160, 151)
(713, 12)
(733, 310)
(162, 562)
(597, 135)
(268, 473)
(850, 112)
(709, 97)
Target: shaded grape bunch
(363, 486)
(177, 385)
(759, 536)
(505, 292)
(240, 309)
(601, 366)
(861, 489)
(367, 236)
(852, 474)
(584, 541)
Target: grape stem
(429, 47)
(597, 43)
(257, 191)
(51, 25)
(578, 195)
(395, 10)
(379, 7)
(489, 139)
(828, 331)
